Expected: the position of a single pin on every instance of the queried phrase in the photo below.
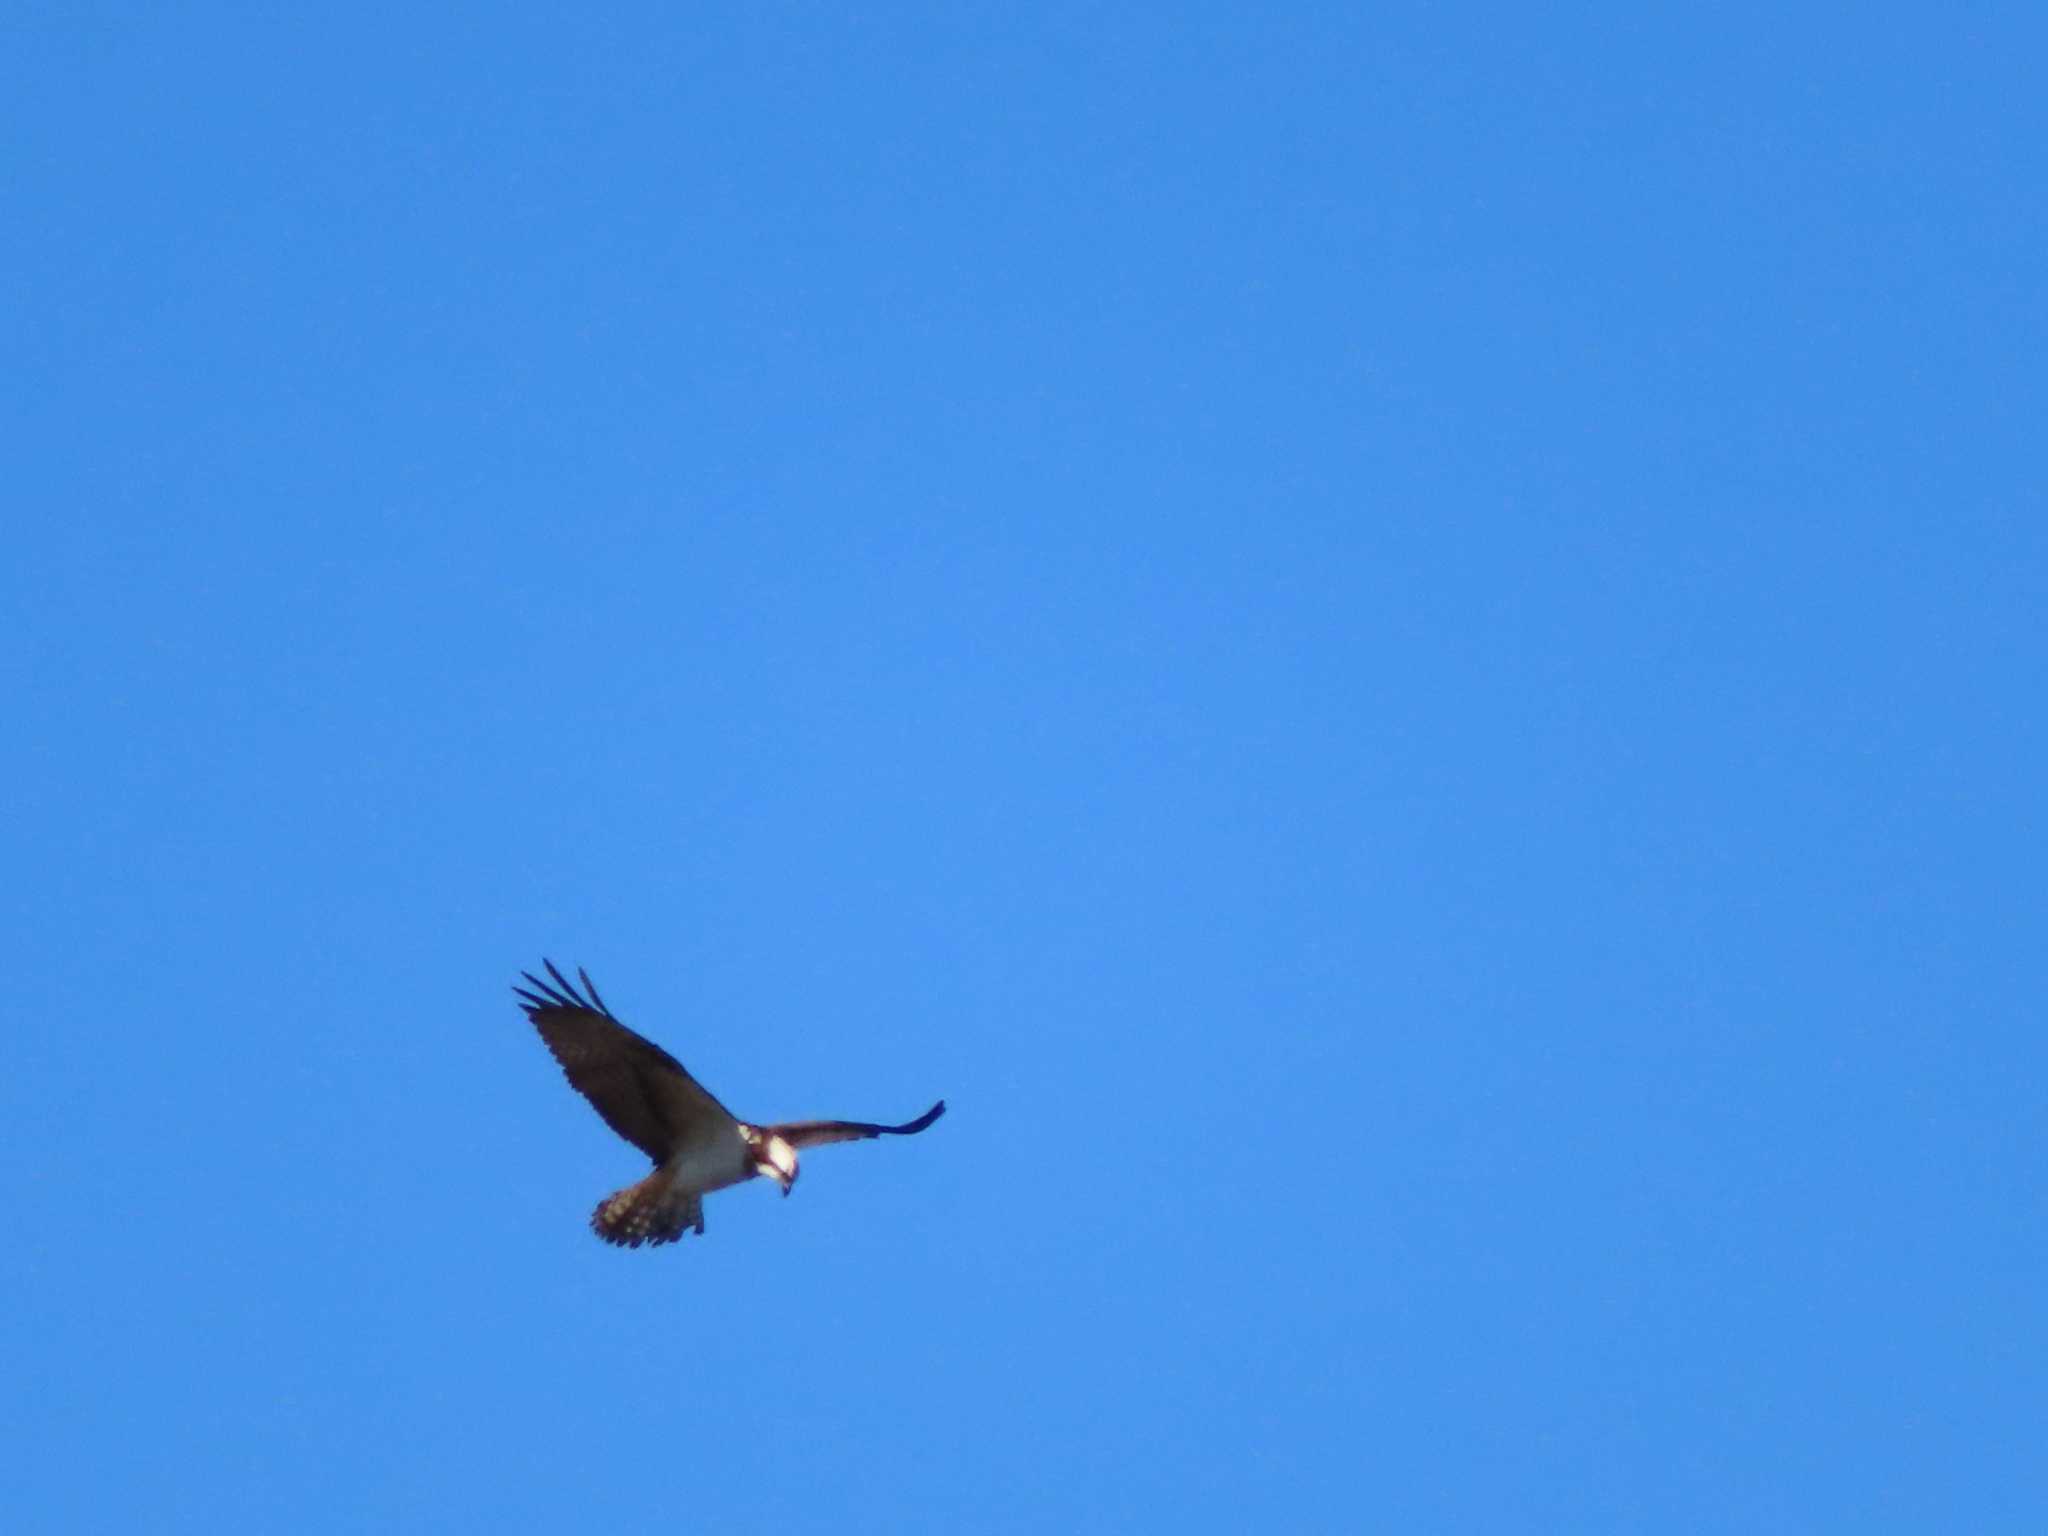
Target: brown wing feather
(819, 1133)
(640, 1090)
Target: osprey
(644, 1094)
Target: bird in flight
(644, 1094)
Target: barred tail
(651, 1212)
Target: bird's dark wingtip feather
(923, 1121)
(567, 986)
(559, 993)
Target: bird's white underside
(705, 1165)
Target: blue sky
(1400, 646)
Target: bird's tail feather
(651, 1211)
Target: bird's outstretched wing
(819, 1133)
(642, 1092)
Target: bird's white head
(775, 1158)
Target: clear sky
(1401, 646)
